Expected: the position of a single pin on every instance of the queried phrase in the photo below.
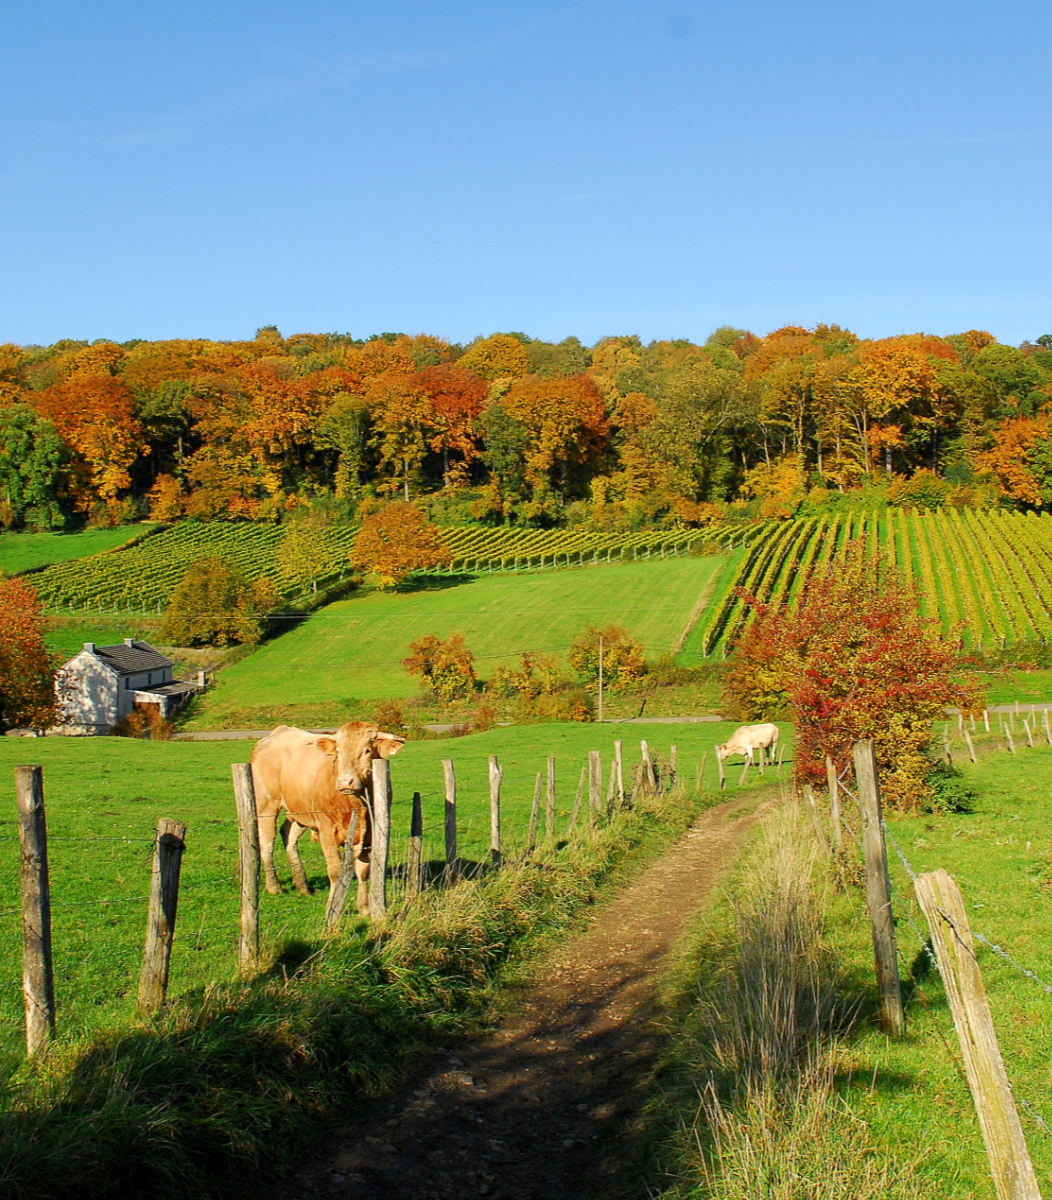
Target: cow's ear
(387, 744)
(327, 745)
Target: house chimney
(201, 681)
(89, 647)
(129, 641)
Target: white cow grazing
(748, 738)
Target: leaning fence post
(341, 885)
(577, 801)
(549, 801)
(452, 861)
(381, 839)
(834, 806)
(878, 888)
(38, 977)
(595, 786)
(160, 922)
(1010, 1165)
(535, 812)
(247, 864)
(970, 745)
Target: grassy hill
(323, 670)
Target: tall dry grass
(770, 1010)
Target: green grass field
(21, 551)
(350, 652)
(104, 796)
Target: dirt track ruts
(538, 1108)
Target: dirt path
(538, 1108)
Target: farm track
(543, 1106)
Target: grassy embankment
(241, 1076)
(843, 1105)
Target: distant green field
(351, 651)
(103, 797)
(21, 551)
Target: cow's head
(354, 746)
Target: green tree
(33, 470)
(304, 556)
(214, 604)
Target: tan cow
(322, 782)
(748, 738)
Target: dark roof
(131, 659)
(178, 687)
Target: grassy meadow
(23, 551)
(350, 652)
(103, 797)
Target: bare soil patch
(541, 1106)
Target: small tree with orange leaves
(395, 542)
(27, 672)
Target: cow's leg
(361, 871)
(292, 837)
(268, 829)
(330, 847)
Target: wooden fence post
(38, 977)
(595, 786)
(816, 820)
(834, 807)
(1010, 1164)
(971, 746)
(535, 812)
(878, 888)
(415, 865)
(496, 775)
(577, 801)
(650, 775)
(1048, 729)
(1008, 738)
(247, 864)
(341, 885)
(549, 802)
(381, 839)
(160, 922)
(673, 757)
(701, 770)
(745, 770)
(452, 861)
(1026, 731)
(619, 768)
(719, 767)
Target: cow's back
(288, 768)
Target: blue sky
(659, 168)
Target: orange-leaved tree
(446, 667)
(396, 541)
(853, 659)
(27, 672)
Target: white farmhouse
(100, 686)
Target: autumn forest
(511, 429)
